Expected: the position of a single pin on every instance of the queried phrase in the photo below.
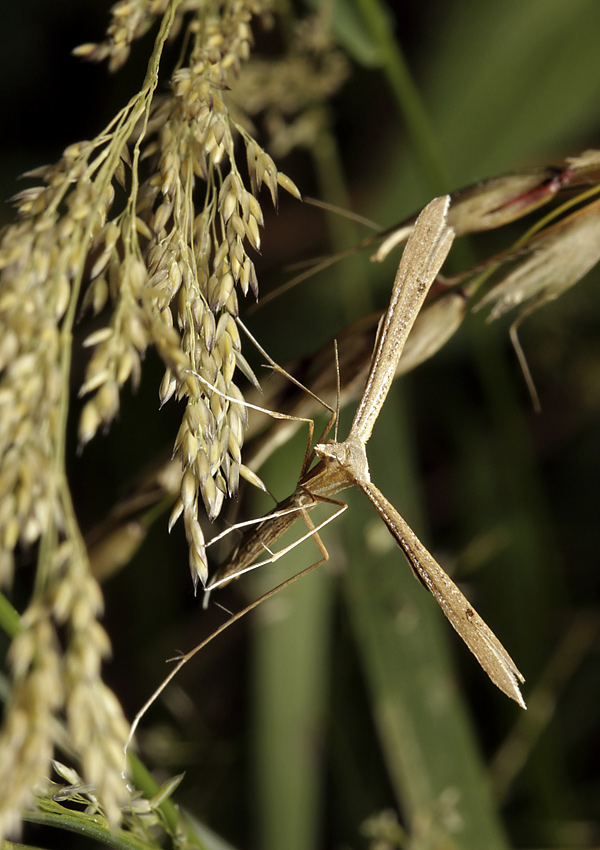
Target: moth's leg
(181, 662)
(333, 414)
(264, 538)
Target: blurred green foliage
(349, 696)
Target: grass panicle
(151, 227)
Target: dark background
(505, 86)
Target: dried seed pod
(553, 261)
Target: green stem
(350, 295)
(424, 141)
(140, 105)
(50, 813)
(10, 620)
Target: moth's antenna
(337, 402)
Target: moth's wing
(422, 259)
(475, 632)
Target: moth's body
(343, 464)
(318, 485)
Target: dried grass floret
(26, 739)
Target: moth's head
(349, 456)
(331, 452)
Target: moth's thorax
(349, 456)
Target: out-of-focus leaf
(351, 34)
(511, 80)
(290, 690)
